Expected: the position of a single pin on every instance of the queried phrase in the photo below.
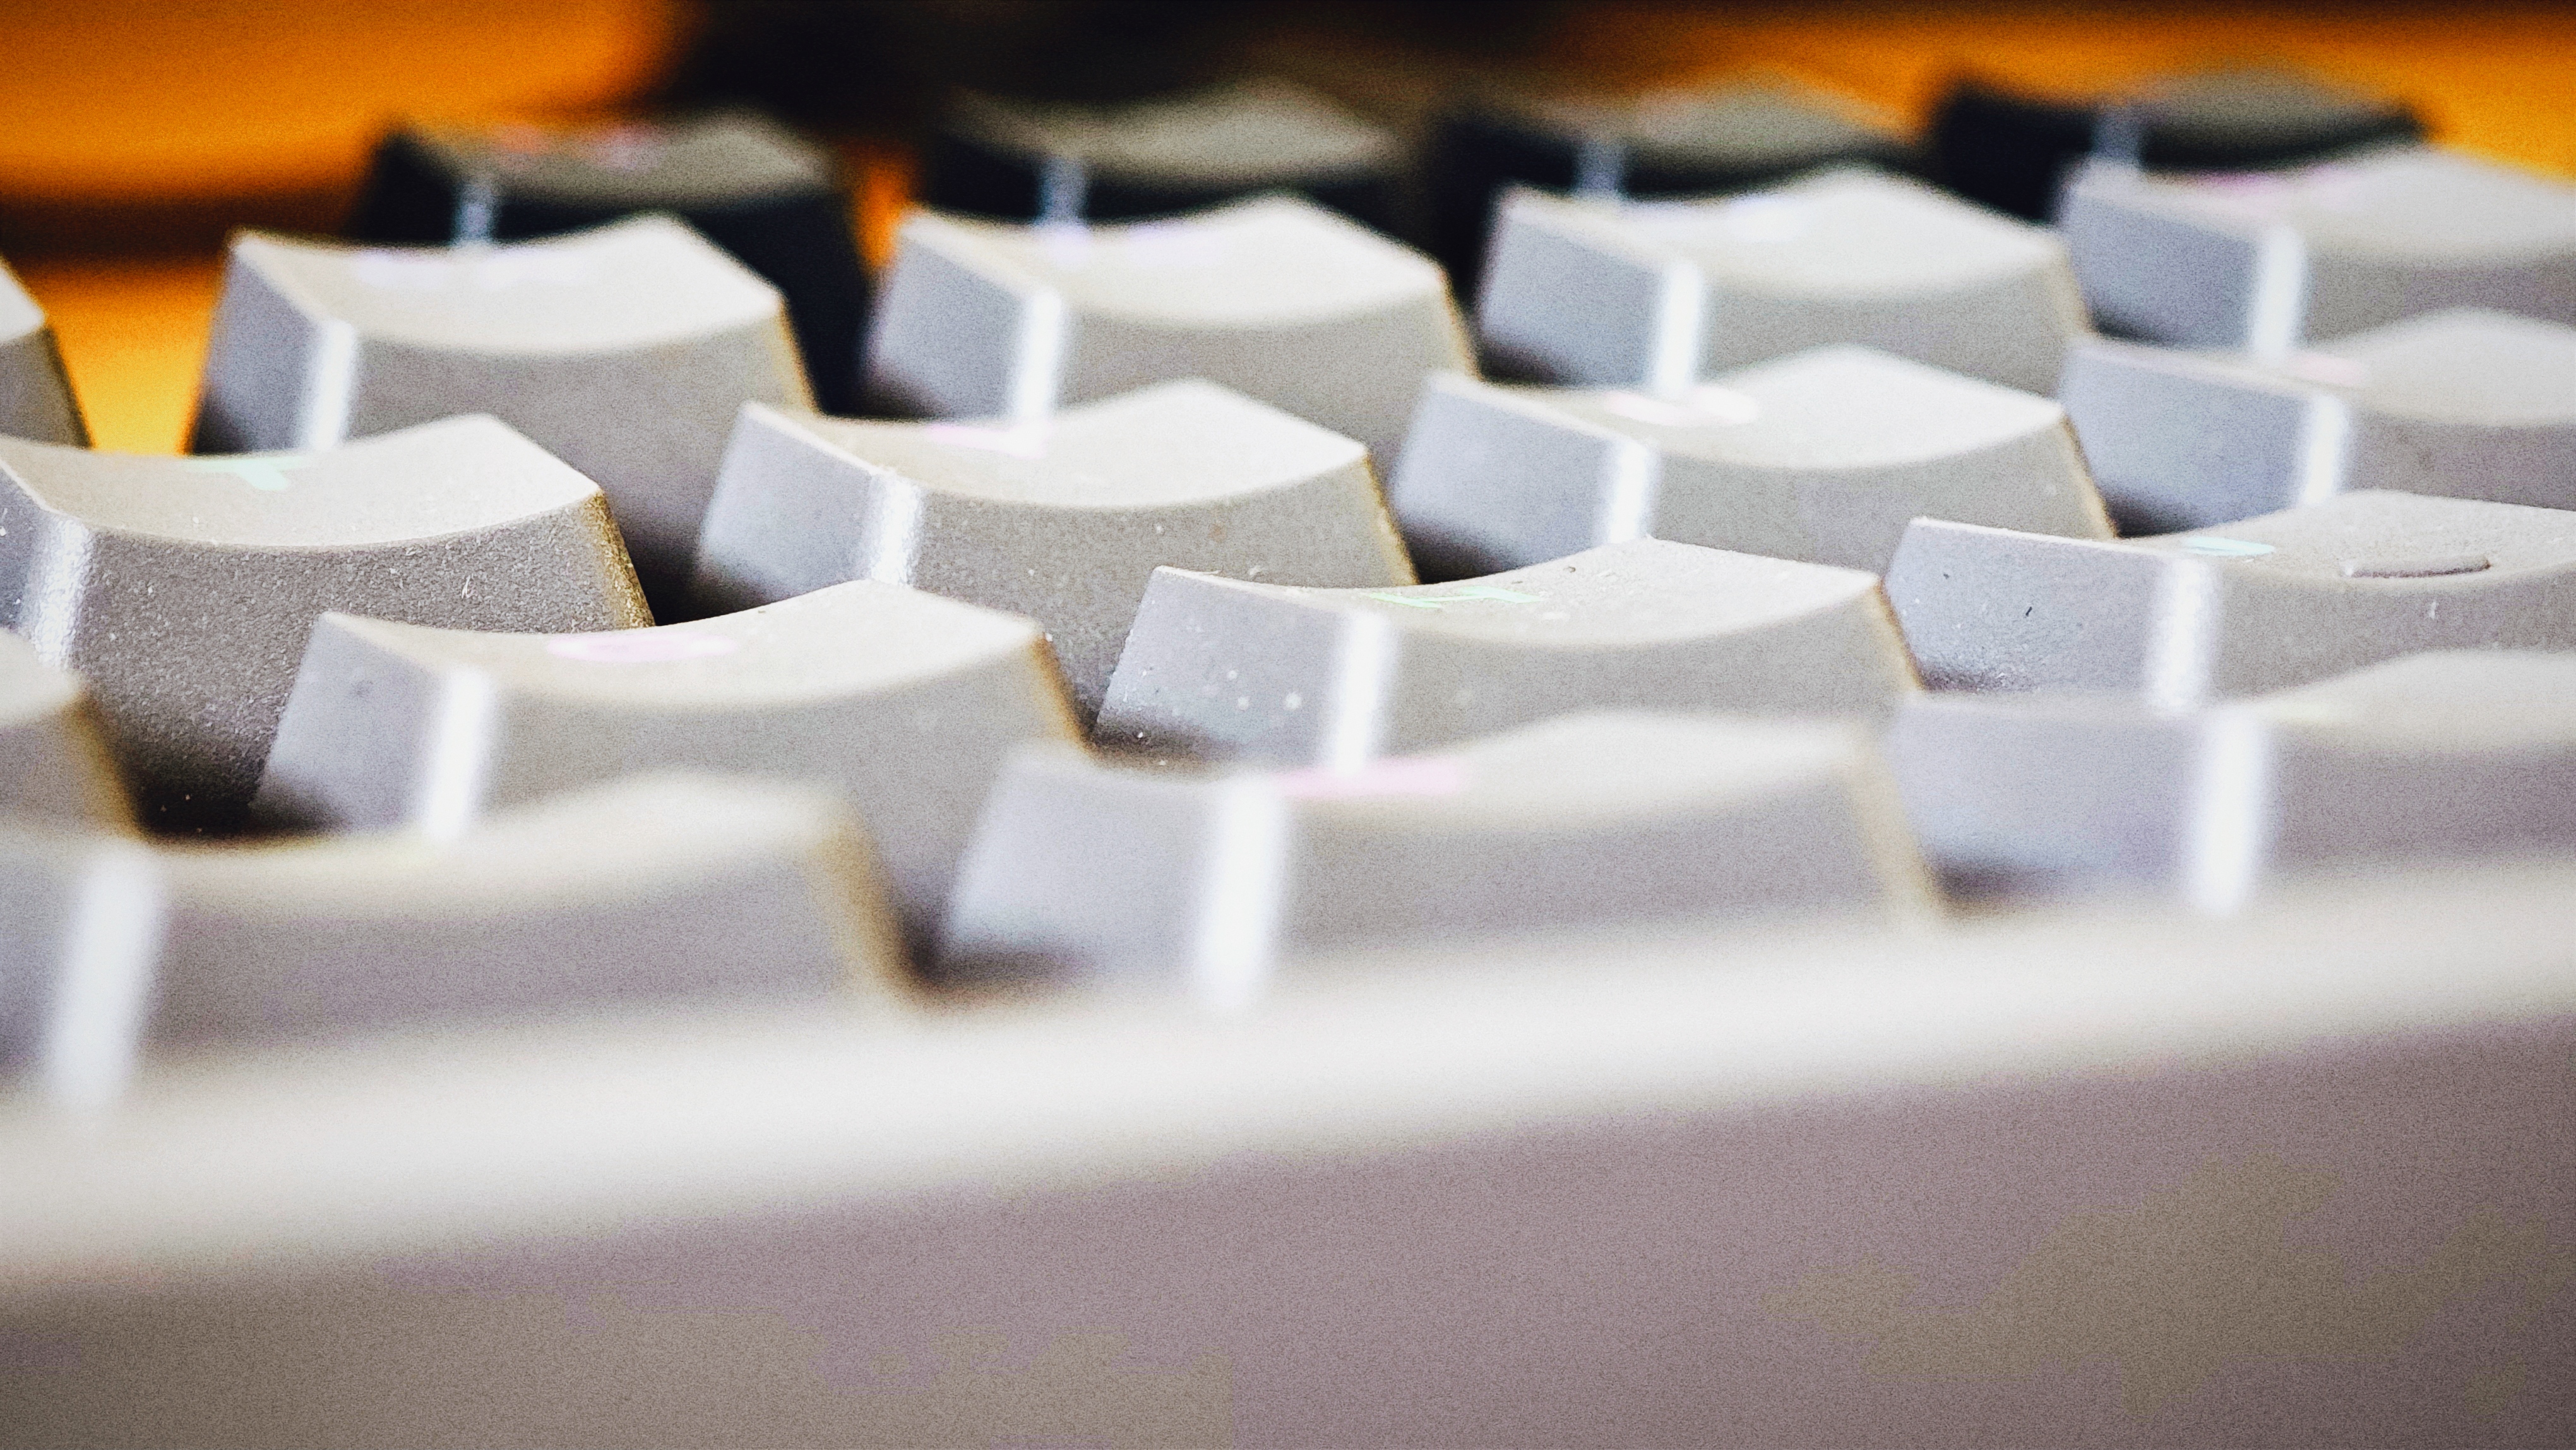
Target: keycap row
(1214, 884)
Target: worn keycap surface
(1209, 883)
(1060, 520)
(2268, 603)
(181, 589)
(1822, 456)
(1661, 294)
(903, 702)
(1276, 298)
(1227, 668)
(624, 351)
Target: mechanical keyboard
(1592, 760)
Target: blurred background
(134, 136)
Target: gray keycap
(182, 589)
(35, 395)
(625, 351)
(2262, 260)
(80, 917)
(2465, 403)
(1036, 161)
(1226, 668)
(2272, 602)
(1822, 456)
(639, 894)
(1209, 882)
(53, 762)
(1274, 297)
(2436, 757)
(1061, 520)
(903, 702)
(1660, 294)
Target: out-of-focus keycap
(53, 764)
(641, 894)
(1208, 883)
(80, 919)
(903, 702)
(2272, 602)
(35, 395)
(1677, 142)
(1660, 294)
(1822, 456)
(1035, 161)
(1061, 520)
(181, 589)
(774, 200)
(2014, 151)
(624, 351)
(1274, 297)
(2435, 757)
(1229, 668)
(2465, 403)
(2262, 260)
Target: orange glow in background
(121, 103)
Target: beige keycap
(1660, 295)
(1226, 668)
(181, 589)
(1822, 456)
(902, 702)
(1062, 521)
(35, 395)
(625, 351)
(1276, 298)
(1209, 884)
(53, 763)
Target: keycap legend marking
(2217, 548)
(1412, 775)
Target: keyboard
(1570, 763)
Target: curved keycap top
(2267, 604)
(2466, 403)
(53, 763)
(625, 351)
(1681, 141)
(1225, 668)
(638, 895)
(1275, 297)
(2434, 757)
(767, 196)
(182, 588)
(1034, 161)
(1211, 883)
(1061, 521)
(903, 702)
(35, 396)
(1660, 294)
(2265, 260)
(1822, 456)
(2014, 150)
